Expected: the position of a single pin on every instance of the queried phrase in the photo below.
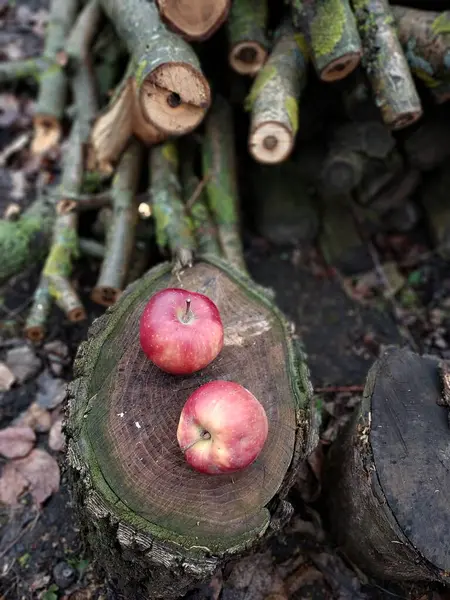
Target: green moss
(327, 27)
(15, 245)
(441, 24)
(265, 75)
(140, 71)
(291, 106)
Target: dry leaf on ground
(16, 442)
(12, 485)
(41, 472)
(56, 438)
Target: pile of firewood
(130, 75)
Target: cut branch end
(341, 67)
(195, 19)
(247, 57)
(271, 143)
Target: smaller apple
(222, 428)
(181, 331)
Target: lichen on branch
(386, 65)
(173, 225)
(219, 167)
(275, 95)
(247, 35)
(330, 28)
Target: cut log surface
(156, 525)
(247, 34)
(389, 474)
(194, 19)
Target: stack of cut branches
(126, 78)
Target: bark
(332, 35)
(219, 167)
(247, 25)
(25, 242)
(429, 146)
(340, 241)
(274, 98)
(170, 89)
(35, 326)
(121, 234)
(173, 225)
(53, 88)
(156, 525)
(286, 211)
(433, 198)
(194, 193)
(425, 37)
(378, 473)
(64, 248)
(386, 65)
(194, 19)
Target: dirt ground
(41, 554)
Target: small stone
(36, 417)
(23, 362)
(51, 391)
(7, 378)
(16, 442)
(64, 575)
(56, 437)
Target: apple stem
(204, 436)
(188, 314)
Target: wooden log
(170, 88)
(248, 41)
(333, 37)
(340, 240)
(387, 473)
(429, 145)
(194, 19)
(219, 169)
(156, 525)
(275, 95)
(64, 248)
(386, 65)
(434, 201)
(35, 326)
(173, 224)
(121, 233)
(425, 37)
(53, 87)
(286, 211)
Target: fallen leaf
(35, 417)
(23, 362)
(41, 472)
(12, 485)
(56, 438)
(7, 377)
(16, 442)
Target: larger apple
(181, 331)
(222, 428)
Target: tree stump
(154, 524)
(387, 479)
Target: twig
(337, 389)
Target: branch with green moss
(25, 242)
(330, 28)
(173, 225)
(219, 168)
(425, 37)
(121, 234)
(14, 70)
(53, 88)
(35, 326)
(64, 249)
(247, 23)
(194, 19)
(386, 65)
(274, 97)
(169, 86)
(194, 194)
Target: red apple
(222, 428)
(181, 331)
